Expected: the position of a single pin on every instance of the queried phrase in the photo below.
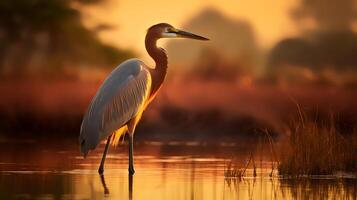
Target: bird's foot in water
(131, 171)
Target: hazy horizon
(130, 33)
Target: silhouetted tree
(328, 14)
(331, 44)
(294, 51)
(45, 35)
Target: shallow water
(163, 171)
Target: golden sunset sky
(270, 20)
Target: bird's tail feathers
(118, 134)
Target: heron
(118, 105)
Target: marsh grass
(234, 170)
(314, 149)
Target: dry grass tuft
(313, 149)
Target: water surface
(176, 170)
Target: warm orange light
(270, 19)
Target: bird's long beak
(184, 34)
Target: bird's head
(164, 30)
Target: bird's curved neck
(158, 54)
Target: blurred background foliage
(43, 37)
(53, 59)
(326, 47)
(322, 52)
(40, 37)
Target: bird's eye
(169, 30)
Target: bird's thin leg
(131, 154)
(101, 167)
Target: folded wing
(120, 98)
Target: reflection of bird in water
(118, 105)
(106, 190)
(130, 187)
